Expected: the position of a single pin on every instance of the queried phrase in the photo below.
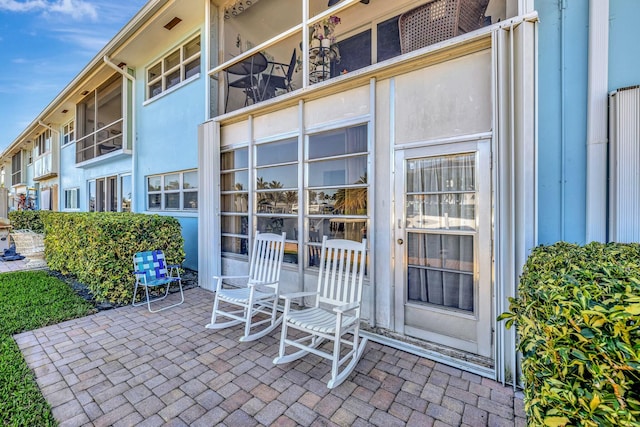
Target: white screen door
(443, 245)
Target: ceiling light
(175, 21)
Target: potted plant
(322, 48)
(323, 32)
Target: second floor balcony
(271, 47)
(107, 140)
(43, 167)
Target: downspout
(133, 126)
(563, 120)
(41, 123)
(597, 121)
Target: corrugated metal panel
(624, 165)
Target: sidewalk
(126, 367)
(8, 266)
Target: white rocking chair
(336, 312)
(260, 293)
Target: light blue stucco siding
(78, 177)
(562, 131)
(190, 236)
(624, 44)
(167, 141)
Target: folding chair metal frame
(152, 271)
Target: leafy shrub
(578, 318)
(31, 220)
(98, 247)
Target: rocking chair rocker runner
(336, 312)
(259, 296)
(152, 271)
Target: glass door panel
(444, 241)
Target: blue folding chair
(152, 271)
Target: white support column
(596, 208)
(208, 206)
(515, 170)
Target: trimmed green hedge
(31, 220)
(578, 319)
(98, 247)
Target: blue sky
(44, 44)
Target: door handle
(400, 241)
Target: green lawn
(29, 300)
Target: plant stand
(320, 63)
(31, 245)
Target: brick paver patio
(129, 367)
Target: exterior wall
(167, 141)
(76, 177)
(164, 130)
(562, 128)
(425, 103)
(624, 49)
(563, 68)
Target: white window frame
(92, 133)
(239, 193)
(70, 192)
(107, 203)
(16, 172)
(181, 67)
(42, 144)
(121, 192)
(42, 156)
(68, 133)
(163, 192)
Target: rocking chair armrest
(289, 297)
(219, 280)
(252, 284)
(298, 295)
(259, 285)
(230, 277)
(139, 272)
(347, 307)
(173, 265)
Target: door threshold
(467, 362)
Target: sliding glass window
(277, 192)
(337, 187)
(331, 200)
(234, 203)
(100, 121)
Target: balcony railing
(261, 63)
(16, 178)
(43, 166)
(105, 140)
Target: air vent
(175, 21)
